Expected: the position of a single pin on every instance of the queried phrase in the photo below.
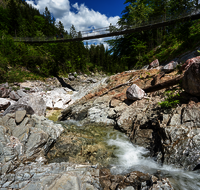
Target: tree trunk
(166, 84)
(157, 78)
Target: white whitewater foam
(132, 158)
(72, 122)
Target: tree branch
(124, 84)
(163, 85)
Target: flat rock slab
(63, 176)
(19, 116)
(14, 96)
(21, 93)
(16, 107)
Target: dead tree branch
(166, 84)
(120, 85)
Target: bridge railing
(112, 28)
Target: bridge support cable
(119, 30)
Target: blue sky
(107, 7)
(83, 13)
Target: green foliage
(140, 48)
(27, 88)
(135, 12)
(19, 61)
(15, 88)
(171, 99)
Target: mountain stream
(110, 148)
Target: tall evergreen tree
(60, 27)
(73, 32)
(13, 14)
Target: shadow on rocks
(64, 84)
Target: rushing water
(133, 158)
(127, 157)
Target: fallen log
(166, 84)
(124, 84)
(157, 78)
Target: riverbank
(96, 106)
(28, 139)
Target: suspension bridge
(116, 30)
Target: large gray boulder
(36, 103)
(18, 107)
(191, 79)
(24, 137)
(190, 62)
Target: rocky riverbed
(37, 153)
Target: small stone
(175, 120)
(14, 96)
(154, 64)
(4, 92)
(170, 66)
(4, 103)
(71, 78)
(165, 118)
(21, 93)
(129, 188)
(19, 116)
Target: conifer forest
(20, 61)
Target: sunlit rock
(134, 92)
(153, 64)
(170, 66)
(4, 103)
(189, 62)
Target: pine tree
(73, 32)
(60, 27)
(13, 15)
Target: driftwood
(124, 84)
(163, 85)
(157, 78)
(153, 88)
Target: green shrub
(171, 99)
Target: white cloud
(80, 16)
(98, 41)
